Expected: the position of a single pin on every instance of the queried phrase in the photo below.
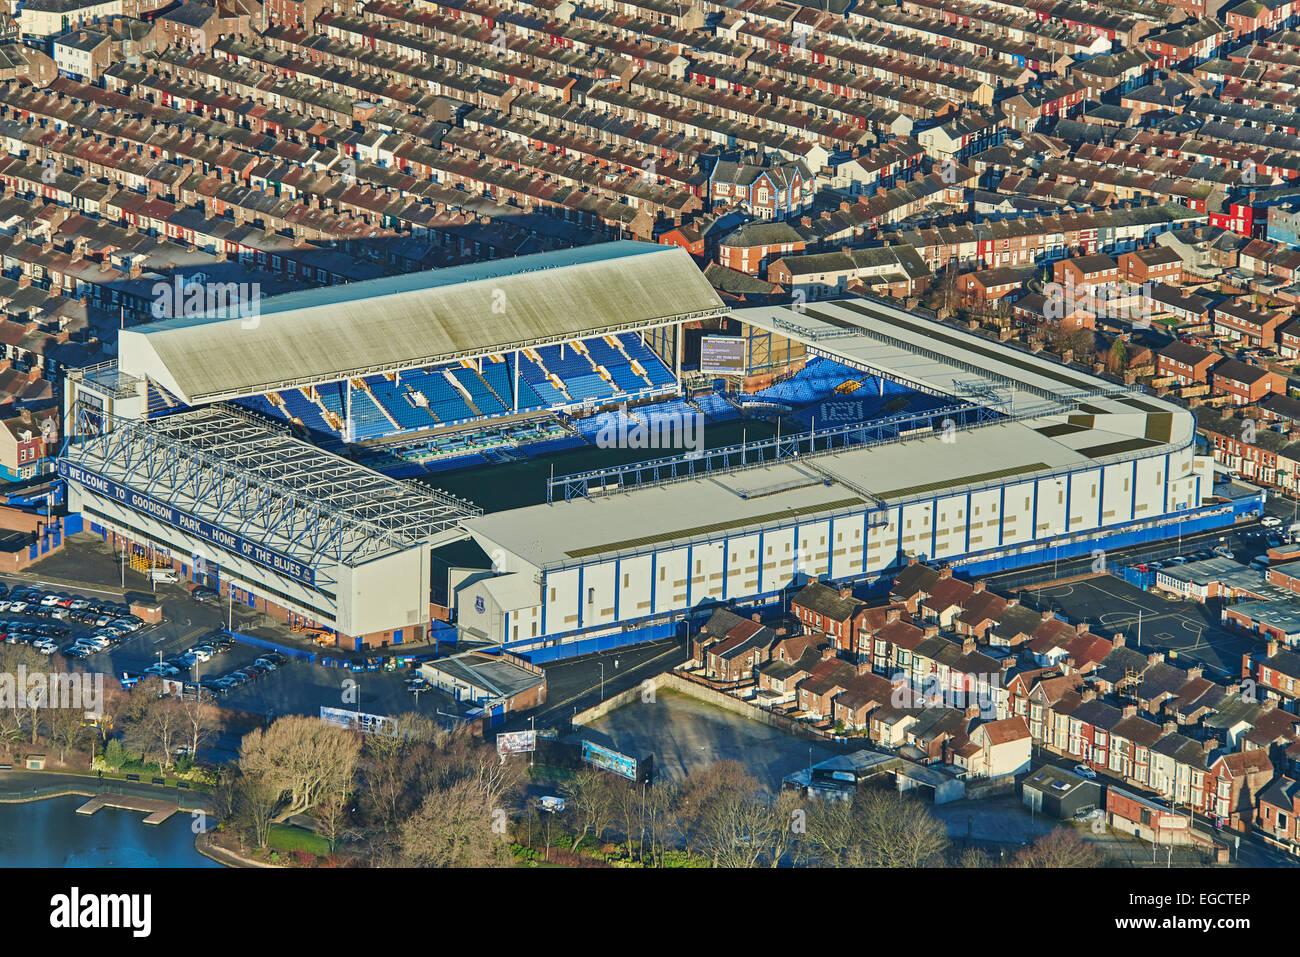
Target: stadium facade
(1019, 458)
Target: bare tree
(201, 720)
(899, 831)
(153, 723)
(456, 826)
(739, 829)
(590, 798)
(878, 828)
(256, 800)
(18, 663)
(703, 789)
(67, 728)
(661, 824)
(1060, 848)
(305, 758)
(629, 807)
(791, 823)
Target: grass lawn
(287, 837)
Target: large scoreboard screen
(722, 355)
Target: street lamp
(602, 679)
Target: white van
(157, 575)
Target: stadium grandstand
(293, 457)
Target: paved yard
(685, 735)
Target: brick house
(1277, 812)
(815, 694)
(1187, 363)
(1156, 264)
(765, 192)
(1245, 384)
(29, 443)
(990, 285)
(1276, 673)
(1086, 273)
(1242, 322)
(1005, 747)
(753, 247)
(828, 611)
(737, 656)
(1232, 786)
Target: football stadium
(581, 449)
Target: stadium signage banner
(361, 721)
(608, 760)
(185, 522)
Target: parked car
(1085, 772)
(203, 593)
(199, 654)
(76, 651)
(1270, 521)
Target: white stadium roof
(926, 355)
(1055, 420)
(403, 322)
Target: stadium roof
(241, 474)
(928, 356)
(920, 467)
(402, 322)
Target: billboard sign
(358, 721)
(722, 355)
(516, 742)
(169, 515)
(608, 760)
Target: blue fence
(586, 646)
